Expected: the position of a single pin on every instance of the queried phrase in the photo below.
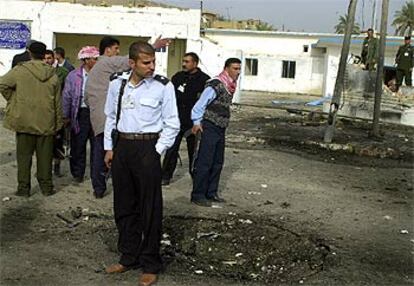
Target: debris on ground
(238, 249)
(285, 205)
(254, 193)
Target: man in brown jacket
(34, 112)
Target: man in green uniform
(369, 51)
(61, 71)
(34, 112)
(58, 151)
(405, 62)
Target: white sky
(294, 15)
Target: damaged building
(272, 61)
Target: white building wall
(47, 18)
(271, 49)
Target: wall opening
(251, 66)
(176, 51)
(289, 69)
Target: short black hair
(407, 38)
(137, 48)
(231, 61)
(37, 50)
(107, 42)
(60, 51)
(194, 56)
(370, 30)
(49, 52)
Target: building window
(305, 48)
(289, 69)
(251, 67)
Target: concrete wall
(332, 62)
(50, 18)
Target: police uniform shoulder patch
(115, 75)
(161, 79)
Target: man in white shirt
(136, 133)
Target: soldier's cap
(37, 48)
(407, 38)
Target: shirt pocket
(149, 109)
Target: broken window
(289, 69)
(251, 67)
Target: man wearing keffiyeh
(211, 115)
(77, 114)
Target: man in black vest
(189, 84)
(211, 116)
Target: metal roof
(333, 41)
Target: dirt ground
(298, 212)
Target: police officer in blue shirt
(146, 125)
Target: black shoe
(202, 203)
(78, 180)
(98, 196)
(165, 182)
(23, 193)
(49, 193)
(217, 199)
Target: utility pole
(380, 69)
(374, 15)
(339, 84)
(228, 13)
(201, 17)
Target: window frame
(251, 66)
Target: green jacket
(405, 57)
(62, 73)
(32, 91)
(369, 51)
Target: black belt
(138, 136)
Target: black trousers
(78, 145)
(98, 168)
(58, 145)
(209, 163)
(401, 74)
(136, 176)
(170, 159)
